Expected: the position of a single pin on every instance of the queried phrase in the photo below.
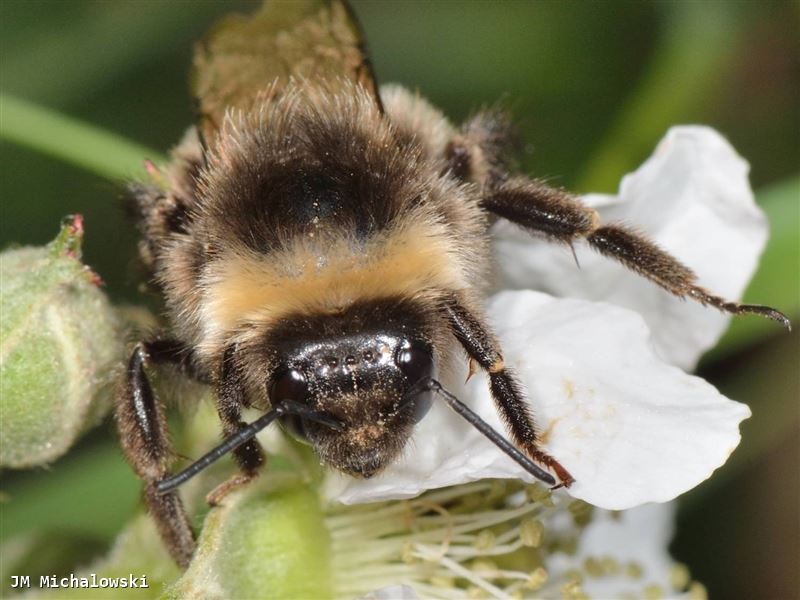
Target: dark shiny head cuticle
(361, 380)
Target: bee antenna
(478, 423)
(245, 434)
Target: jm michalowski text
(86, 581)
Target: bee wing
(245, 56)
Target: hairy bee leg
(230, 400)
(478, 151)
(217, 495)
(171, 351)
(144, 438)
(561, 217)
(506, 393)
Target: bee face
(356, 368)
(361, 381)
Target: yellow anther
(679, 576)
(653, 592)
(697, 591)
(610, 565)
(593, 567)
(531, 532)
(537, 579)
(484, 541)
(634, 570)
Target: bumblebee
(322, 250)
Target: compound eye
(289, 385)
(416, 363)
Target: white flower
(630, 427)
(625, 554)
(692, 197)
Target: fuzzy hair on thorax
(308, 204)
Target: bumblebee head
(357, 369)
(362, 381)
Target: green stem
(73, 141)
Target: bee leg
(170, 351)
(230, 401)
(478, 151)
(481, 346)
(561, 217)
(143, 434)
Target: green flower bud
(267, 540)
(59, 338)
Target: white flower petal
(630, 428)
(692, 197)
(640, 535)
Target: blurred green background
(594, 87)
